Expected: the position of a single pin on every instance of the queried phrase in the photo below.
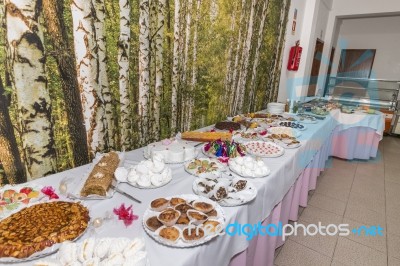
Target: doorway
(312, 87)
(356, 63)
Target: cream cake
(174, 151)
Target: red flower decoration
(50, 192)
(223, 159)
(263, 133)
(125, 214)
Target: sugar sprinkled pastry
(118, 246)
(102, 247)
(140, 259)
(133, 247)
(86, 249)
(67, 253)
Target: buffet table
(279, 195)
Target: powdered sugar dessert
(174, 151)
(147, 174)
(248, 167)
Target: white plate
(285, 130)
(220, 167)
(265, 144)
(250, 187)
(286, 146)
(301, 129)
(180, 243)
(306, 120)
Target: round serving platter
(251, 148)
(219, 167)
(245, 196)
(180, 242)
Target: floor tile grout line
(364, 245)
(308, 248)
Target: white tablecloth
(271, 190)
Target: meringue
(121, 174)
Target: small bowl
(169, 217)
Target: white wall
(312, 19)
(317, 15)
(380, 33)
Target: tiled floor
(357, 193)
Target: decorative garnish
(125, 214)
(50, 192)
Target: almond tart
(170, 234)
(169, 217)
(40, 226)
(176, 201)
(197, 217)
(203, 206)
(190, 234)
(153, 223)
(212, 226)
(159, 204)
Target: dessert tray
(184, 220)
(148, 174)
(291, 132)
(227, 192)
(249, 167)
(100, 251)
(306, 119)
(283, 140)
(245, 136)
(175, 150)
(291, 124)
(14, 198)
(204, 166)
(74, 215)
(264, 149)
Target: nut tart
(203, 206)
(171, 234)
(40, 226)
(192, 234)
(153, 223)
(159, 204)
(169, 217)
(176, 201)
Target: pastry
(169, 217)
(183, 208)
(197, 217)
(153, 223)
(171, 234)
(192, 234)
(212, 213)
(206, 136)
(226, 125)
(211, 226)
(159, 204)
(203, 206)
(176, 201)
(183, 219)
(42, 225)
(100, 178)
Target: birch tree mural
(122, 74)
(159, 65)
(88, 73)
(144, 69)
(123, 62)
(99, 13)
(28, 76)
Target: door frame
(318, 40)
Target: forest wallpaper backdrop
(84, 76)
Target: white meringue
(142, 169)
(133, 176)
(157, 180)
(121, 174)
(144, 181)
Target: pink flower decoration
(50, 192)
(263, 133)
(125, 214)
(223, 159)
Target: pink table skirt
(353, 143)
